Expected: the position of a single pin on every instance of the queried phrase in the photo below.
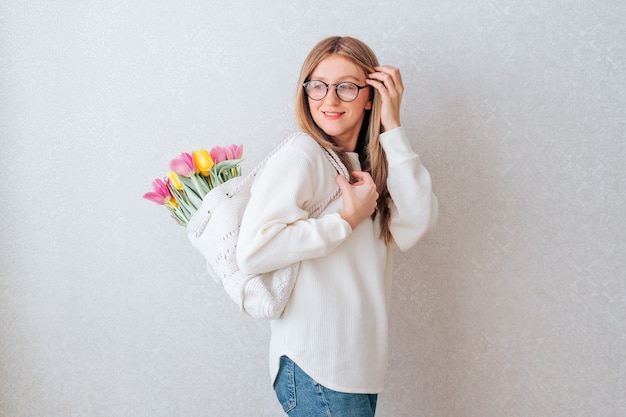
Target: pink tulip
(161, 194)
(183, 165)
(234, 151)
(218, 154)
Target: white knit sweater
(335, 324)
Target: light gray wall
(514, 306)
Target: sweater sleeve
(415, 208)
(276, 230)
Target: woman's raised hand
(388, 81)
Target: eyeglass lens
(317, 90)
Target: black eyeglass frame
(358, 90)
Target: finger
(342, 182)
(363, 177)
(393, 72)
(380, 88)
(384, 79)
(385, 85)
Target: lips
(332, 115)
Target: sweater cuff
(344, 222)
(396, 144)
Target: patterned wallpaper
(514, 306)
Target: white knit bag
(214, 231)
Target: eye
(316, 86)
(347, 87)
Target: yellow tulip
(204, 162)
(175, 181)
(171, 203)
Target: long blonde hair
(372, 157)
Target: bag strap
(332, 156)
(260, 165)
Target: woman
(328, 350)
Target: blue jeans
(301, 396)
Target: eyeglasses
(346, 91)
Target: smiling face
(340, 120)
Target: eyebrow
(340, 79)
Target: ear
(368, 105)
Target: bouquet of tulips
(192, 176)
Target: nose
(331, 96)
